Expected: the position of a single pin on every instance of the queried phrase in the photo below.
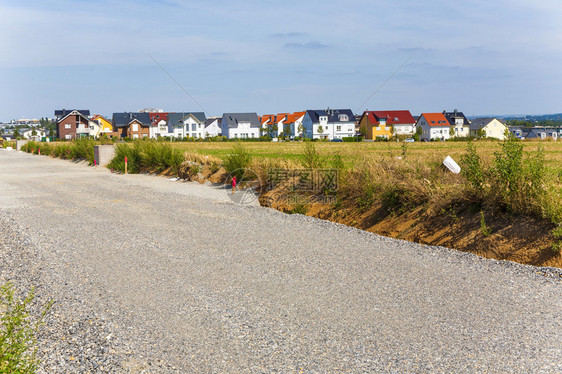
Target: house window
(135, 127)
(135, 136)
(163, 128)
(193, 127)
(67, 136)
(323, 119)
(67, 125)
(338, 128)
(343, 117)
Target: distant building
(458, 121)
(132, 125)
(240, 125)
(72, 124)
(213, 127)
(544, 133)
(329, 124)
(488, 127)
(187, 124)
(386, 123)
(434, 126)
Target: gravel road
(150, 275)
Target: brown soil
(515, 238)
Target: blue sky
(481, 57)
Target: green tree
(300, 130)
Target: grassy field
(352, 153)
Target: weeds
(299, 209)
(515, 182)
(237, 161)
(557, 245)
(18, 329)
(146, 156)
(472, 169)
(311, 158)
(484, 229)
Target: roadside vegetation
(19, 326)
(146, 156)
(82, 149)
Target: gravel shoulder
(149, 275)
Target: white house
(434, 126)
(213, 127)
(28, 134)
(329, 124)
(240, 125)
(459, 123)
(187, 124)
(488, 128)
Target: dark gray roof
(176, 118)
(333, 115)
(232, 119)
(535, 132)
(123, 119)
(452, 115)
(211, 120)
(479, 123)
(64, 112)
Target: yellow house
(386, 123)
(106, 127)
(373, 126)
(488, 128)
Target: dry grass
(352, 153)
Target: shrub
(299, 209)
(238, 161)
(311, 158)
(18, 328)
(82, 149)
(472, 168)
(484, 229)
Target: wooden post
(125, 164)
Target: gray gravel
(149, 275)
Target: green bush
(472, 169)
(82, 149)
(515, 182)
(237, 162)
(18, 329)
(146, 155)
(484, 229)
(311, 158)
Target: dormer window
(343, 117)
(323, 119)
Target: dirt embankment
(500, 236)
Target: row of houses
(328, 124)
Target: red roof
(267, 117)
(435, 119)
(393, 117)
(157, 117)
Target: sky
(481, 57)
